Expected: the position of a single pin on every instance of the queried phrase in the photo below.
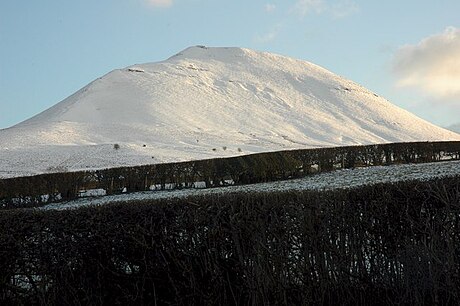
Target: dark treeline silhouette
(254, 168)
(387, 244)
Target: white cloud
(304, 7)
(337, 9)
(270, 7)
(269, 36)
(160, 3)
(455, 127)
(344, 8)
(432, 65)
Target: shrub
(390, 243)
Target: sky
(406, 51)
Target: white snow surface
(343, 179)
(205, 103)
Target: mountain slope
(204, 103)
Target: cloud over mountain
(432, 65)
(160, 3)
(336, 9)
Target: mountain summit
(204, 103)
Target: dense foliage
(382, 244)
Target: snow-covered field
(205, 103)
(323, 181)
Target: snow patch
(92, 193)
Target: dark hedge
(255, 168)
(388, 244)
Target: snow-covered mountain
(204, 103)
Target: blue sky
(407, 51)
